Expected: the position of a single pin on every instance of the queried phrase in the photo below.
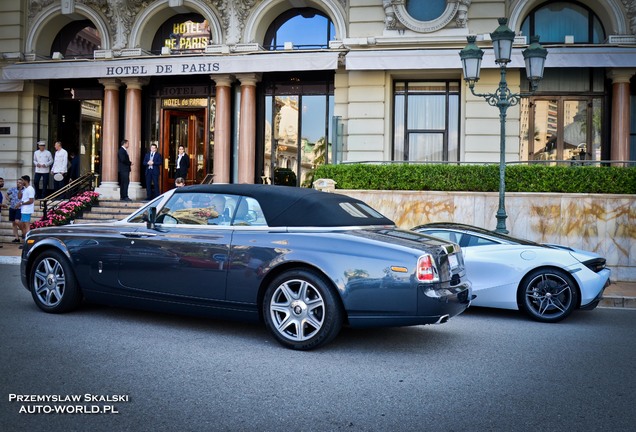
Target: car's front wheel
(301, 310)
(53, 284)
(547, 295)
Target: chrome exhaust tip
(443, 319)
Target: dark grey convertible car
(305, 262)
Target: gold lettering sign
(188, 36)
(184, 103)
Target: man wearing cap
(42, 161)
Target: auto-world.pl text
(68, 404)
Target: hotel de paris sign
(163, 66)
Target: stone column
(620, 112)
(222, 129)
(247, 128)
(133, 133)
(109, 186)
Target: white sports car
(544, 280)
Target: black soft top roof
(298, 207)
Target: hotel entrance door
(187, 128)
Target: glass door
(185, 128)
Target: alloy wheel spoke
(281, 307)
(544, 304)
(302, 292)
(47, 266)
(40, 277)
(311, 319)
(314, 303)
(564, 287)
(295, 326)
(288, 292)
(558, 304)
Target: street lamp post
(503, 98)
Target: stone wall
(605, 224)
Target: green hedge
(481, 178)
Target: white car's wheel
(53, 284)
(548, 295)
(301, 310)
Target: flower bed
(68, 211)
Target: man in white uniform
(42, 161)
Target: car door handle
(138, 234)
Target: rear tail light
(426, 270)
(596, 264)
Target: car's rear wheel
(53, 284)
(548, 295)
(301, 310)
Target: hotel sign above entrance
(177, 65)
(162, 69)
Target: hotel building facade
(263, 91)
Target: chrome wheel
(548, 295)
(301, 311)
(49, 282)
(297, 310)
(53, 284)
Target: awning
(575, 57)
(172, 65)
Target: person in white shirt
(42, 161)
(27, 197)
(60, 166)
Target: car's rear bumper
(592, 305)
(592, 286)
(435, 305)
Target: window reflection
(564, 129)
(306, 28)
(296, 135)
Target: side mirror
(149, 217)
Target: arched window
(77, 40)
(306, 28)
(553, 21)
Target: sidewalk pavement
(617, 295)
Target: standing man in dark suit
(152, 163)
(123, 168)
(183, 163)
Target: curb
(618, 302)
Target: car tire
(301, 310)
(53, 284)
(547, 295)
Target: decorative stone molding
(234, 13)
(397, 16)
(630, 7)
(120, 15)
